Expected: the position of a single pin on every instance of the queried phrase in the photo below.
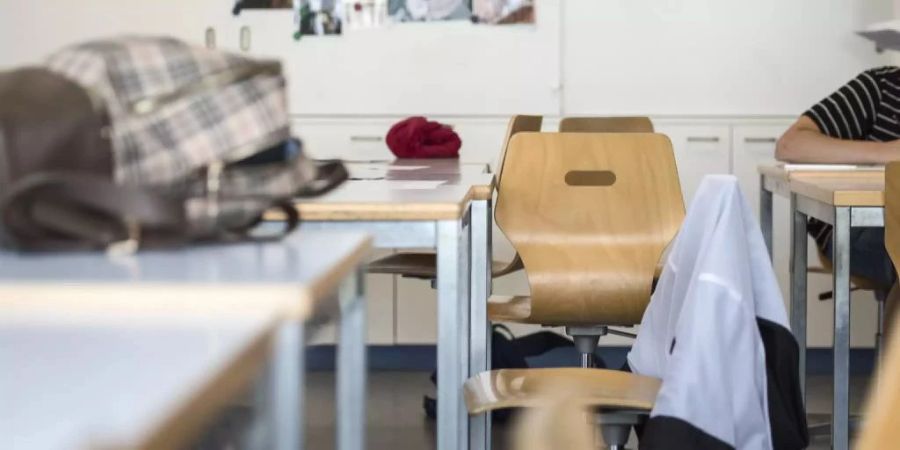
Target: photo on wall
(503, 12)
(321, 17)
(429, 10)
(315, 17)
(266, 4)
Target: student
(857, 124)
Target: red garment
(416, 137)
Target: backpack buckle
(128, 246)
(213, 186)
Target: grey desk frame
(287, 375)
(463, 285)
(843, 219)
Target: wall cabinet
(380, 308)
(363, 139)
(700, 149)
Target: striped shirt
(865, 109)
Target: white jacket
(703, 334)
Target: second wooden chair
(880, 427)
(424, 264)
(590, 215)
(606, 125)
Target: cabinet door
(754, 145)
(700, 149)
(364, 139)
(379, 308)
(352, 140)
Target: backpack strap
(64, 211)
(56, 211)
(329, 175)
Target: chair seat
(416, 265)
(504, 308)
(595, 388)
(864, 284)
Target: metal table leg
(453, 334)
(840, 431)
(286, 396)
(765, 213)
(798, 285)
(351, 365)
(480, 340)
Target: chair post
(586, 339)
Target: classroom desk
(844, 200)
(303, 280)
(118, 380)
(439, 204)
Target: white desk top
(76, 381)
(404, 190)
(295, 272)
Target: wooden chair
(590, 214)
(606, 125)
(880, 428)
(558, 425)
(857, 283)
(424, 264)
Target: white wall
(657, 57)
(711, 57)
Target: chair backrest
(880, 428)
(606, 125)
(517, 124)
(560, 424)
(892, 211)
(590, 214)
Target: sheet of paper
(831, 167)
(405, 185)
(406, 167)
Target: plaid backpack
(144, 140)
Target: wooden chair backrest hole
(592, 178)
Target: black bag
(99, 151)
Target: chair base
(615, 426)
(586, 340)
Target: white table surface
(297, 271)
(73, 381)
(98, 350)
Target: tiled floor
(397, 420)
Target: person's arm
(804, 142)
